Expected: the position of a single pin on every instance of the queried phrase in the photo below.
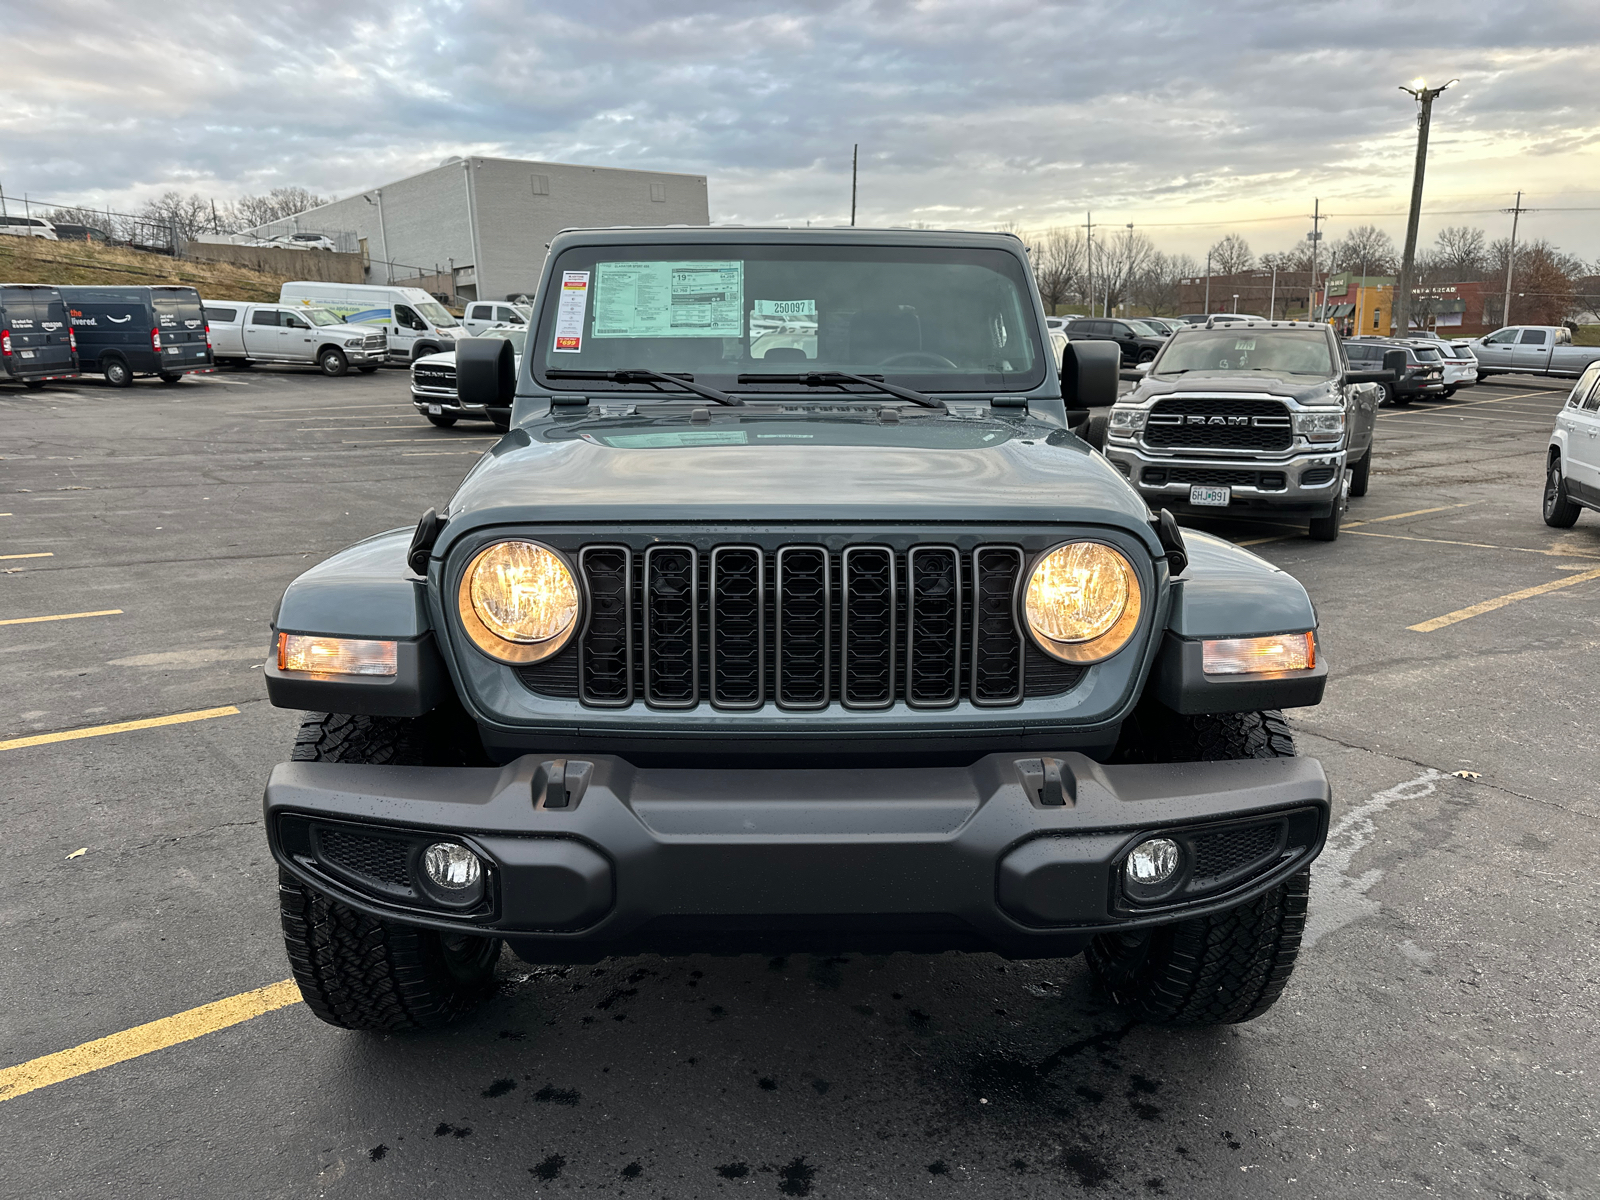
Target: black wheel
(33, 385)
(442, 422)
(423, 351)
(357, 971)
(116, 371)
(1450, 391)
(1095, 432)
(1360, 473)
(1147, 356)
(1230, 966)
(366, 370)
(169, 379)
(1482, 375)
(1559, 512)
(333, 362)
(1326, 529)
(1392, 396)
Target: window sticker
(669, 299)
(785, 308)
(676, 438)
(1245, 345)
(569, 311)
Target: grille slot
(996, 641)
(738, 627)
(605, 649)
(805, 626)
(382, 859)
(866, 660)
(1203, 422)
(933, 627)
(672, 626)
(1229, 851)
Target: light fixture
(1152, 862)
(1260, 655)
(335, 656)
(1082, 602)
(518, 601)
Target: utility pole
(1315, 238)
(3, 212)
(855, 159)
(1272, 302)
(1208, 283)
(1088, 290)
(1424, 96)
(1511, 257)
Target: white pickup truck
(1531, 350)
(243, 333)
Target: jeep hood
(924, 470)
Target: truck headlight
(1082, 602)
(518, 601)
(1325, 426)
(1127, 420)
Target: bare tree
(1121, 259)
(1158, 285)
(1460, 253)
(1285, 261)
(1543, 286)
(1366, 250)
(1058, 263)
(275, 206)
(172, 218)
(1231, 255)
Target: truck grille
(1219, 422)
(804, 627)
(436, 381)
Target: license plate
(435, 410)
(27, 354)
(1215, 496)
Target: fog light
(452, 866)
(1152, 861)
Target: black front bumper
(596, 857)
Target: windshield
(320, 316)
(437, 314)
(1144, 329)
(1426, 354)
(926, 317)
(517, 337)
(1289, 351)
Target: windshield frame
(585, 255)
(435, 313)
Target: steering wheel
(918, 358)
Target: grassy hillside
(34, 260)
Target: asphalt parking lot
(1438, 1036)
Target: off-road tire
(1559, 511)
(1095, 433)
(441, 422)
(1230, 966)
(333, 363)
(116, 371)
(1360, 474)
(357, 971)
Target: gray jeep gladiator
(792, 614)
(1258, 417)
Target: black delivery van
(128, 331)
(36, 340)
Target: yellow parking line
(46, 554)
(104, 612)
(144, 1039)
(68, 735)
(1477, 610)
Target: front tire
(1360, 474)
(360, 972)
(1229, 966)
(333, 362)
(441, 422)
(1326, 529)
(1559, 511)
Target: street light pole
(1511, 258)
(1315, 238)
(1424, 96)
(855, 158)
(1208, 283)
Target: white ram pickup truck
(243, 333)
(1531, 350)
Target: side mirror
(486, 372)
(1394, 363)
(1143, 368)
(1089, 372)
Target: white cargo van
(416, 323)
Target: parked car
(28, 227)
(1253, 417)
(1167, 325)
(304, 241)
(413, 321)
(715, 652)
(36, 339)
(243, 333)
(1423, 374)
(126, 332)
(1572, 468)
(1217, 318)
(1137, 341)
(68, 232)
(481, 314)
(433, 382)
(1460, 367)
(1531, 350)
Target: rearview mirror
(486, 372)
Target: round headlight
(518, 601)
(1082, 602)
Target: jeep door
(261, 334)
(1532, 351)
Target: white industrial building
(476, 228)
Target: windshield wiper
(643, 375)
(837, 378)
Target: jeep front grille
(802, 626)
(1219, 423)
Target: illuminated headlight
(1082, 602)
(1260, 655)
(1320, 426)
(518, 601)
(1127, 420)
(335, 656)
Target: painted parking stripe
(144, 1039)
(1477, 610)
(1551, 551)
(104, 612)
(69, 735)
(45, 554)
(1419, 512)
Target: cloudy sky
(1187, 118)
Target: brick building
(1257, 292)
